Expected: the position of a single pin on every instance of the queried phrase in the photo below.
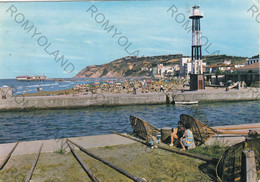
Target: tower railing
(195, 14)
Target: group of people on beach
(181, 136)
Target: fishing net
(201, 132)
(141, 128)
(229, 166)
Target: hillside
(132, 66)
(128, 66)
(215, 59)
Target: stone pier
(69, 101)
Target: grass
(60, 151)
(152, 164)
(214, 150)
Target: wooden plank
(8, 156)
(83, 165)
(233, 132)
(236, 128)
(34, 165)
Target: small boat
(187, 102)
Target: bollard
(166, 134)
(248, 166)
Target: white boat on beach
(187, 102)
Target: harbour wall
(68, 101)
(48, 102)
(217, 95)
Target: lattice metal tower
(196, 53)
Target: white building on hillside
(252, 61)
(185, 66)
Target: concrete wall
(45, 102)
(217, 95)
(48, 102)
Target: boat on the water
(187, 102)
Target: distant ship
(31, 78)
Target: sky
(69, 31)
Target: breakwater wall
(217, 95)
(49, 102)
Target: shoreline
(123, 99)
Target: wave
(43, 85)
(64, 85)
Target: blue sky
(147, 25)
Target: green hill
(215, 59)
(132, 66)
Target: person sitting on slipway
(177, 134)
(154, 141)
(187, 138)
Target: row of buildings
(248, 72)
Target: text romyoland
(255, 13)
(180, 18)
(122, 40)
(41, 40)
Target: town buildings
(249, 74)
(161, 71)
(185, 67)
(254, 59)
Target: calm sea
(48, 85)
(57, 123)
(54, 124)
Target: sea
(62, 123)
(21, 87)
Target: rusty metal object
(8, 156)
(34, 165)
(118, 169)
(83, 165)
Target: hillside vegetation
(215, 59)
(132, 66)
